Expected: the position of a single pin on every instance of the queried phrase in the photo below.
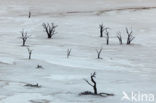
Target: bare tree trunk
(29, 56)
(101, 30)
(99, 53)
(94, 86)
(108, 40)
(23, 44)
(29, 52)
(94, 82)
(119, 37)
(68, 52)
(29, 16)
(49, 29)
(101, 33)
(107, 37)
(24, 37)
(130, 37)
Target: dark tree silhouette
(119, 37)
(24, 37)
(68, 52)
(130, 37)
(93, 75)
(29, 52)
(101, 30)
(99, 53)
(29, 16)
(49, 29)
(94, 86)
(107, 37)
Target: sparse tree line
(105, 33)
(50, 30)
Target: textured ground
(123, 68)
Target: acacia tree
(49, 29)
(24, 37)
(92, 76)
(68, 52)
(99, 53)
(107, 37)
(119, 37)
(94, 86)
(29, 52)
(29, 16)
(102, 29)
(130, 37)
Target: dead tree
(99, 53)
(93, 85)
(68, 52)
(29, 16)
(119, 37)
(102, 29)
(29, 52)
(49, 29)
(24, 37)
(93, 81)
(130, 37)
(107, 37)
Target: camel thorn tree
(49, 29)
(94, 86)
(99, 53)
(107, 37)
(29, 52)
(102, 29)
(92, 76)
(24, 37)
(130, 36)
(119, 37)
(68, 52)
(29, 15)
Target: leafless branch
(88, 82)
